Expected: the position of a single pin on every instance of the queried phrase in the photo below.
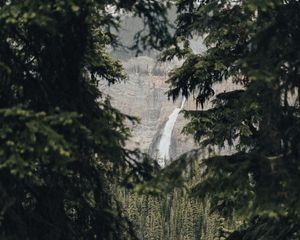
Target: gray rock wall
(143, 95)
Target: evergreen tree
(254, 44)
(62, 144)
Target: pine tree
(255, 45)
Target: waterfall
(165, 141)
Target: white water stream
(165, 141)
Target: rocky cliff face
(144, 95)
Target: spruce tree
(62, 144)
(255, 45)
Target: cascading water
(165, 141)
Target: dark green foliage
(61, 144)
(255, 45)
(51, 188)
